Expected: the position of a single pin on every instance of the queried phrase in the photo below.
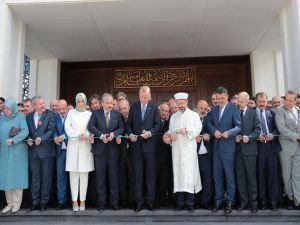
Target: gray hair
(245, 95)
(34, 98)
(106, 95)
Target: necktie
(263, 122)
(242, 116)
(220, 112)
(201, 118)
(143, 111)
(107, 118)
(38, 119)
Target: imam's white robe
(184, 151)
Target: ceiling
(84, 30)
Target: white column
(45, 79)
(12, 44)
(267, 73)
(290, 35)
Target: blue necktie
(220, 112)
(263, 123)
(143, 111)
(242, 116)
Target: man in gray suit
(287, 119)
(246, 156)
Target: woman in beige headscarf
(79, 159)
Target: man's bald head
(62, 107)
(202, 108)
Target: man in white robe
(184, 127)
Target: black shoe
(217, 206)
(178, 208)
(150, 206)
(206, 206)
(290, 204)
(115, 207)
(254, 209)
(138, 207)
(228, 208)
(190, 208)
(60, 206)
(100, 207)
(43, 207)
(263, 205)
(242, 207)
(33, 207)
(273, 206)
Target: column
(290, 36)
(267, 73)
(45, 79)
(12, 44)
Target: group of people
(145, 155)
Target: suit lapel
(148, 110)
(225, 110)
(32, 123)
(102, 118)
(110, 119)
(40, 121)
(292, 117)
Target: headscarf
(78, 96)
(12, 105)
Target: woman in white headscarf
(13, 156)
(79, 159)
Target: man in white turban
(184, 127)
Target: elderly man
(126, 178)
(163, 159)
(246, 155)
(106, 124)
(142, 122)
(60, 139)
(173, 106)
(287, 119)
(276, 101)
(204, 150)
(184, 127)
(53, 105)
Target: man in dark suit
(143, 121)
(61, 141)
(41, 124)
(204, 150)
(163, 160)
(106, 124)
(126, 177)
(246, 156)
(224, 124)
(268, 149)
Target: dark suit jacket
(230, 121)
(163, 151)
(60, 130)
(97, 126)
(270, 116)
(151, 123)
(250, 127)
(45, 131)
(204, 130)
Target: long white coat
(79, 157)
(184, 152)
